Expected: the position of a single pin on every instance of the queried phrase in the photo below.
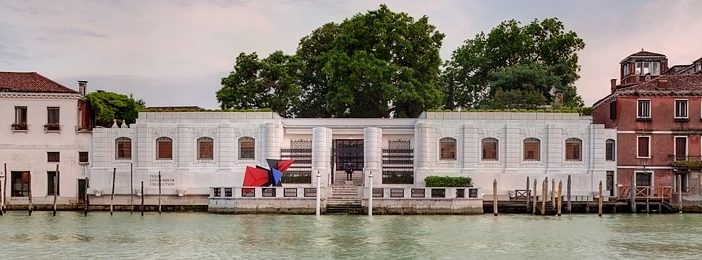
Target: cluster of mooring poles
(554, 197)
(3, 192)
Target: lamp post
(318, 194)
(370, 194)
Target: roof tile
(30, 82)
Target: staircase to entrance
(345, 198)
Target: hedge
(446, 181)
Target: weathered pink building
(658, 116)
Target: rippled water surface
(201, 235)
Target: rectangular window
(643, 147)
(681, 108)
(290, 192)
(378, 192)
(247, 148)
(216, 192)
(20, 184)
(417, 193)
(310, 192)
(248, 192)
(610, 150)
(655, 68)
(643, 109)
(613, 110)
(52, 119)
(20, 118)
(268, 192)
(83, 157)
(610, 182)
(228, 192)
(397, 192)
(531, 150)
(50, 184)
(165, 148)
(680, 148)
(53, 157)
(648, 68)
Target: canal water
(70, 235)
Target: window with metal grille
(83, 157)
(53, 156)
(573, 149)
(164, 146)
(50, 184)
(643, 109)
(532, 149)
(490, 148)
(205, 148)
(610, 150)
(643, 147)
(123, 147)
(681, 108)
(447, 146)
(247, 148)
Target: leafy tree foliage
(377, 64)
(109, 106)
(540, 56)
(268, 83)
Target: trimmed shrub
(446, 181)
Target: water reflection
(201, 235)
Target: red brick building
(658, 116)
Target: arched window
(164, 148)
(247, 148)
(610, 148)
(490, 148)
(205, 148)
(574, 149)
(532, 149)
(123, 148)
(447, 147)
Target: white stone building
(194, 151)
(44, 125)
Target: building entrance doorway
(348, 157)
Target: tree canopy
(376, 64)
(107, 107)
(537, 58)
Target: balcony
(686, 162)
(52, 128)
(20, 126)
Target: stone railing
(264, 192)
(425, 193)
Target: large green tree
(262, 83)
(376, 64)
(106, 107)
(540, 57)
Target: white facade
(185, 176)
(26, 150)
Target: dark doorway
(643, 179)
(82, 187)
(348, 152)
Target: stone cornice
(35, 95)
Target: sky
(174, 53)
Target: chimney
(613, 83)
(662, 83)
(82, 86)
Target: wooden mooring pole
(559, 197)
(553, 192)
(55, 188)
(680, 198)
(632, 193)
(112, 196)
(494, 197)
(544, 196)
(142, 198)
(533, 205)
(87, 197)
(131, 188)
(4, 189)
(599, 202)
(29, 176)
(528, 194)
(569, 207)
(159, 192)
